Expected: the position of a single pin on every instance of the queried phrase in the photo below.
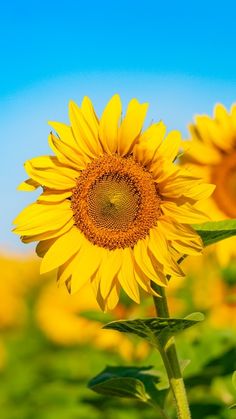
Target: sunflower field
(52, 344)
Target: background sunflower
(211, 154)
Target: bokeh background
(178, 56)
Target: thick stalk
(169, 356)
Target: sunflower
(211, 154)
(114, 210)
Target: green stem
(169, 356)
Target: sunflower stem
(167, 349)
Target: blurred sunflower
(212, 156)
(12, 290)
(223, 311)
(65, 323)
(213, 290)
(115, 210)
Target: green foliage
(212, 232)
(121, 387)
(217, 366)
(130, 382)
(154, 328)
(42, 380)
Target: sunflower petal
(50, 234)
(95, 283)
(48, 172)
(202, 128)
(149, 142)
(66, 155)
(88, 261)
(225, 125)
(64, 272)
(113, 297)
(162, 170)
(185, 213)
(51, 196)
(43, 246)
(233, 118)
(63, 248)
(144, 262)
(90, 115)
(202, 153)
(39, 218)
(182, 237)
(131, 126)
(185, 187)
(28, 185)
(126, 276)
(82, 132)
(159, 247)
(108, 129)
(108, 270)
(169, 149)
(144, 282)
(176, 231)
(65, 133)
(220, 140)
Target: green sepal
(154, 329)
(212, 232)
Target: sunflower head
(115, 202)
(114, 209)
(211, 154)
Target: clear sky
(179, 56)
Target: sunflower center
(224, 176)
(115, 202)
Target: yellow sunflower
(212, 155)
(115, 211)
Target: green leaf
(233, 406)
(214, 231)
(155, 328)
(122, 387)
(128, 382)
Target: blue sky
(178, 56)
